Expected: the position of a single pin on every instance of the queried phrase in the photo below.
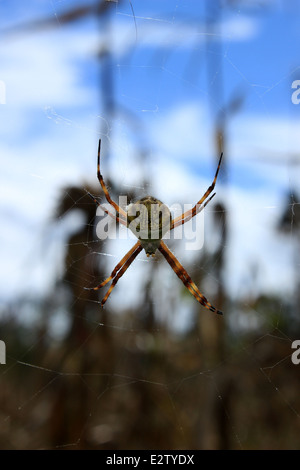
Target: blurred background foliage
(128, 379)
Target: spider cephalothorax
(149, 219)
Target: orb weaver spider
(156, 217)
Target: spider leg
(119, 210)
(198, 207)
(188, 215)
(185, 278)
(122, 268)
(119, 270)
(115, 217)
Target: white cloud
(41, 72)
(239, 28)
(154, 32)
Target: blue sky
(167, 102)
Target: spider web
(166, 88)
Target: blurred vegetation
(218, 385)
(143, 386)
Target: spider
(154, 222)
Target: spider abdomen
(149, 219)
